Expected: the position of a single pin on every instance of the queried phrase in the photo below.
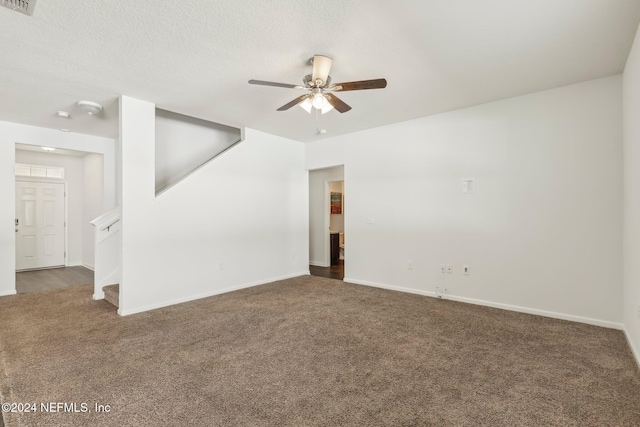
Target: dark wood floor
(333, 272)
(52, 278)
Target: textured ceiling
(195, 58)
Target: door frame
(42, 180)
(320, 245)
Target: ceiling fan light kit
(318, 101)
(326, 108)
(306, 105)
(321, 94)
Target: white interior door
(40, 222)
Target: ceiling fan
(320, 92)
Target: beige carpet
(310, 352)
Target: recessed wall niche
(184, 144)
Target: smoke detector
(24, 6)
(90, 107)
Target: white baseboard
(98, 295)
(319, 264)
(544, 313)
(520, 309)
(7, 293)
(208, 294)
(390, 287)
(634, 350)
(88, 267)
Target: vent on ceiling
(24, 6)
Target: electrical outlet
(443, 268)
(441, 292)
(409, 265)
(449, 269)
(465, 269)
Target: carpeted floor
(310, 351)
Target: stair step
(112, 294)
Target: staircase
(107, 252)
(112, 294)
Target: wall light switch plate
(465, 269)
(449, 269)
(468, 186)
(443, 268)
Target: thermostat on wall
(467, 186)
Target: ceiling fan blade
(321, 68)
(360, 85)
(263, 83)
(296, 101)
(337, 103)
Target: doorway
(40, 225)
(327, 249)
(57, 193)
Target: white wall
(325, 153)
(73, 176)
(7, 217)
(240, 220)
(12, 133)
(92, 202)
(542, 233)
(318, 208)
(631, 119)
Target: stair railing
(107, 251)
